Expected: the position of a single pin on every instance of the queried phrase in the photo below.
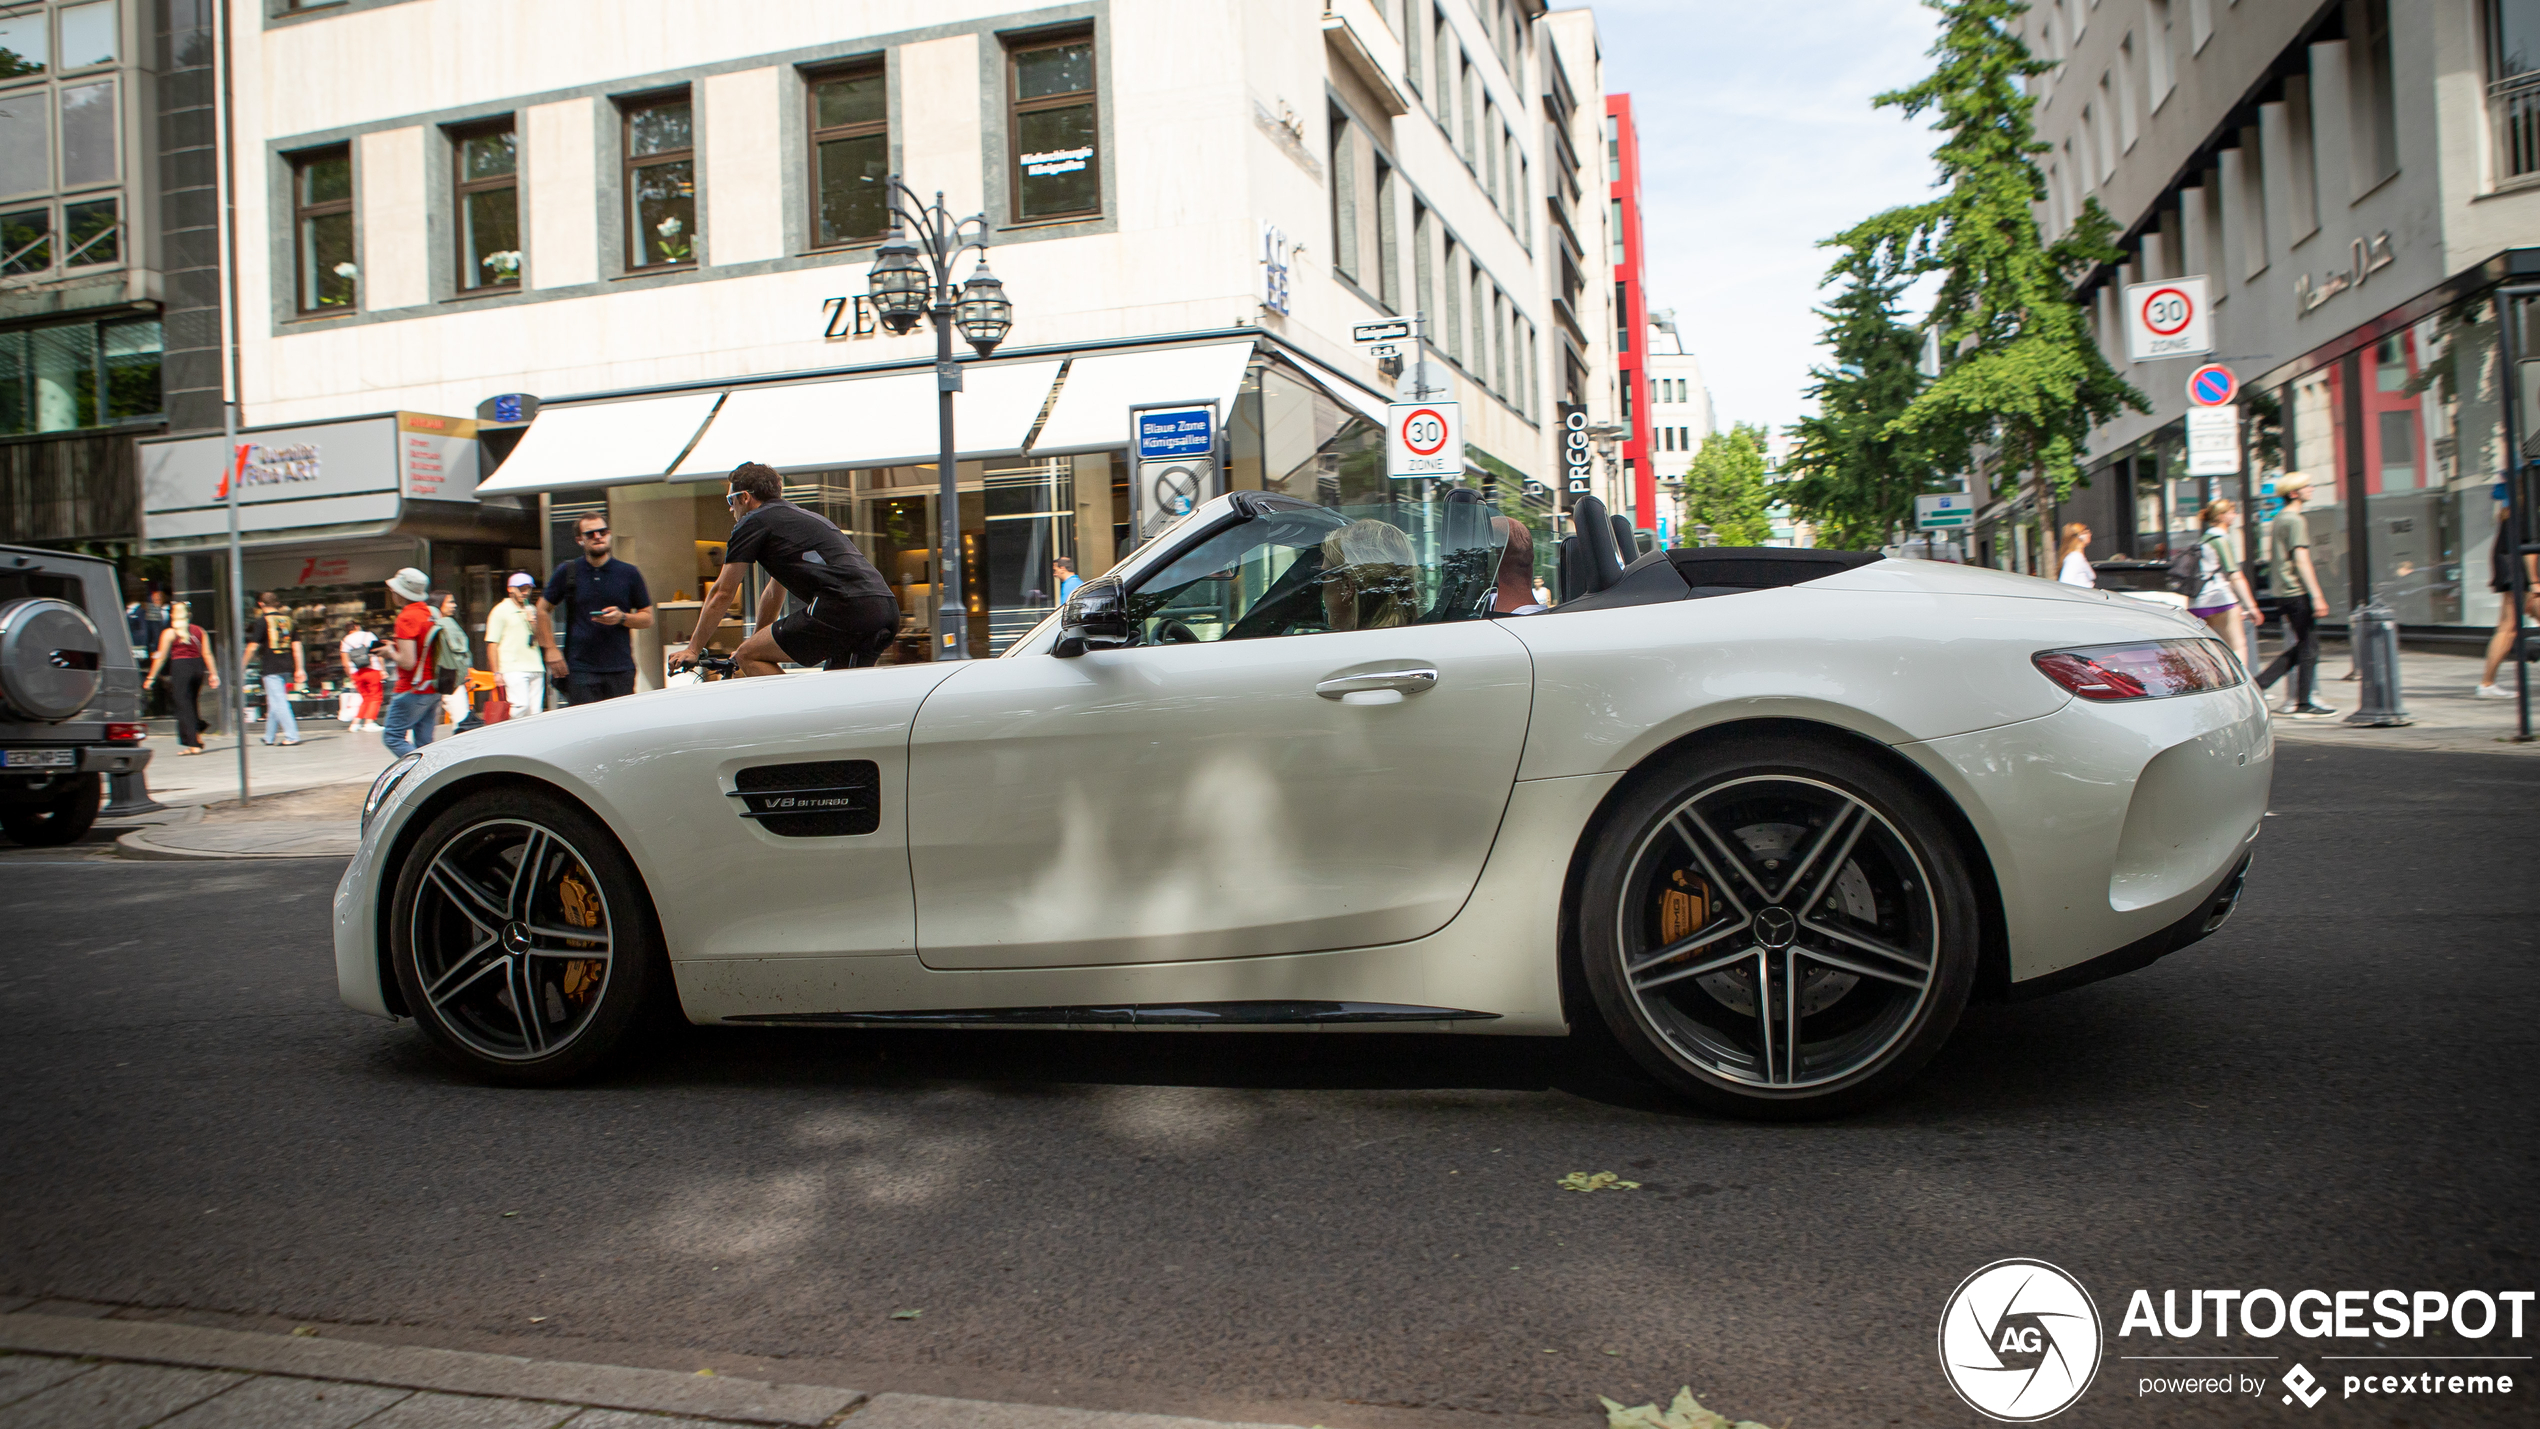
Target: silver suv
(70, 699)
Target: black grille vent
(803, 801)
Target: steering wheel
(1177, 633)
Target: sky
(1757, 139)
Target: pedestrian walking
(185, 652)
(2075, 568)
(602, 600)
(414, 704)
(2294, 576)
(284, 666)
(146, 617)
(360, 650)
(2500, 578)
(2224, 601)
(1064, 577)
(455, 656)
(511, 634)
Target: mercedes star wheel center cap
(516, 937)
(1775, 927)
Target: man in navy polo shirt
(600, 600)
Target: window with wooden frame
(660, 181)
(322, 230)
(485, 162)
(850, 155)
(1052, 128)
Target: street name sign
(2212, 385)
(1171, 433)
(1424, 439)
(2168, 318)
(2213, 440)
(1948, 511)
(1394, 331)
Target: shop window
(1053, 130)
(67, 376)
(661, 182)
(488, 188)
(322, 230)
(850, 156)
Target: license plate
(40, 758)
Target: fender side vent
(829, 799)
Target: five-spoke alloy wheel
(520, 937)
(1778, 927)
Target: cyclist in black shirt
(849, 615)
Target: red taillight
(2145, 670)
(127, 733)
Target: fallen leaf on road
(906, 1314)
(1686, 1413)
(305, 1331)
(507, 1215)
(706, 1373)
(1601, 1181)
(537, 1319)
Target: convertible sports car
(1772, 817)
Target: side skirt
(1136, 1014)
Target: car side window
(1308, 571)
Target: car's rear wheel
(522, 938)
(58, 818)
(1778, 927)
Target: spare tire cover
(50, 659)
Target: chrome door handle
(1410, 680)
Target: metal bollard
(129, 794)
(2374, 630)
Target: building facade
(2353, 179)
(1680, 416)
(1631, 308)
(105, 176)
(597, 276)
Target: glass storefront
(2418, 416)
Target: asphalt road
(2337, 1091)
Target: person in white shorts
(510, 630)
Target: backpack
(2187, 570)
(449, 661)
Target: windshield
(1308, 570)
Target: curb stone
(723, 1398)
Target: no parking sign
(1424, 439)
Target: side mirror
(1096, 617)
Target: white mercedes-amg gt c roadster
(1770, 817)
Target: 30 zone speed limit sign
(2168, 318)
(1424, 439)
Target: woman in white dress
(2074, 568)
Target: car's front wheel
(522, 939)
(1778, 927)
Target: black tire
(469, 939)
(1869, 953)
(66, 818)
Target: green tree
(1724, 489)
(1847, 476)
(2023, 379)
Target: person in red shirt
(414, 705)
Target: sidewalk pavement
(58, 1372)
(2435, 690)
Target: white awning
(871, 421)
(1093, 408)
(604, 444)
(1348, 393)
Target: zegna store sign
(321, 474)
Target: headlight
(2141, 670)
(386, 784)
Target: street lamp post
(913, 279)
